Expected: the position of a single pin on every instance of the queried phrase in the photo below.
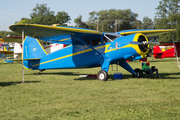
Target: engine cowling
(140, 45)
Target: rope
(175, 52)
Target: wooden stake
(22, 55)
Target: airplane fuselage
(82, 56)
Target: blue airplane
(86, 48)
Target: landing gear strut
(40, 71)
(102, 75)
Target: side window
(89, 43)
(96, 42)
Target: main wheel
(139, 73)
(102, 75)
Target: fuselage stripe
(69, 55)
(77, 53)
(64, 39)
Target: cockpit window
(110, 37)
(96, 42)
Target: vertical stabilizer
(32, 48)
(5, 49)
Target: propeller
(144, 43)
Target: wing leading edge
(69, 35)
(55, 34)
(148, 33)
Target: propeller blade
(144, 43)
(153, 43)
(135, 43)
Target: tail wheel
(139, 73)
(102, 75)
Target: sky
(14, 10)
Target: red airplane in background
(166, 50)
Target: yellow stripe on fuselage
(64, 39)
(99, 47)
(77, 53)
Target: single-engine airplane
(87, 48)
(3, 49)
(166, 50)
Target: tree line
(112, 20)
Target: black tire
(102, 75)
(139, 73)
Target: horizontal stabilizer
(24, 59)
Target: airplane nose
(143, 47)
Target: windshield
(110, 37)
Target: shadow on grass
(86, 78)
(5, 63)
(5, 84)
(167, 75)
(161, 76)
(56, 73)
(127, 76)
(110, 77)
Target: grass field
(63, 95)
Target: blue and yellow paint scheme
(87, 48)
(5, 51)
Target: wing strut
(108, 38)
(22, 55)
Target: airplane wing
(146, 32)
(13, 39)
(56, 34)
(69, 35)
(1, 40)
(169, 43)
(6, 52)
(3, 50)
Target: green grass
(63, 95)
